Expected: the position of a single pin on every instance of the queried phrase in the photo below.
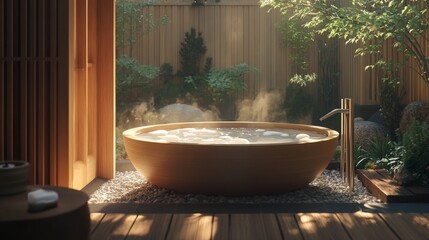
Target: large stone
(184, 113)
(365, 131)
(414, 111)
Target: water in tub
(230, 135)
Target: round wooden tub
(237, 169)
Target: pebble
(131, 186)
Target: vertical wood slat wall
(239, 31)
(31, 50)
(234, 32)
(57, 88)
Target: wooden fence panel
(239, 31)
(232, 33)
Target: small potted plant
(13, 177)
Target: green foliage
(369, 22)
(170, 93)
(303, 80)
(391, 96)
(133, 20)
(297, 38)
(219, 85)
(133, 80)
(197, 86)
(328, 84)
(191, 51)
(298, 102)
(416, 144)
(166, 72)
(206, 87)
(198, 3)
(379, 153)
(223, 84)
(391, 104)
(412, 152)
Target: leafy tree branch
(368, 22)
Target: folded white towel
(41, 199)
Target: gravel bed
(131, 186)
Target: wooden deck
(380, 184)
(259, 226)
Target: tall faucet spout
(337, 110)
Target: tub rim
(330, 133)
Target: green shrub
(170, 93)
(206, 86)
(416, 144)
(298, 102)
(133, 81)
(216, 86)
(412, 152)
(191, 51)
(380, 152)
(223, 84)
(166, 73)
(391, 105)
(197, 87)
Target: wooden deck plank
(114, 226)
(255, 226)
(150, 226)
(421, 194)
(321, 226)
(384, 188)
(358, 225)
(95, 220)
(220, 229)
(366, 226)
(408, 226)
(190, 226)
(289, 227)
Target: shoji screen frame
(37, 104)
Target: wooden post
(350, 139)
(347, 137)
(343, 163)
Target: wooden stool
(69, 220)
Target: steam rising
(146, 114)
(267, 107)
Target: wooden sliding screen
(57, 88)
(34, 83)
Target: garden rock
(181, 113)
(377, 118)
(365, 131)
(414, 111)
